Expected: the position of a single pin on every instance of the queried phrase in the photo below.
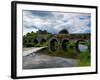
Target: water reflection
(82, 47)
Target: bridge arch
(53, 44)
(64, 44)
(77, 44)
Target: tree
(64, 31)
(42, 32)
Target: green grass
(85, 43)
(84, 59)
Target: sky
(53, 22)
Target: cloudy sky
(53, 22)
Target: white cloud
(55, 21)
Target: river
(39, 60)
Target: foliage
(64, 31)
(29, 37)
(71, 44)
(29, 45)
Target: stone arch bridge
(55, 42)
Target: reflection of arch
(77, 44)
(53, 44)
(64, 44)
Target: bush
(71, 44)
(38, 45)
(29, 45)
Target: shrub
(29, 45)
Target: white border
(36, 72)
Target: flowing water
(82, 47)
